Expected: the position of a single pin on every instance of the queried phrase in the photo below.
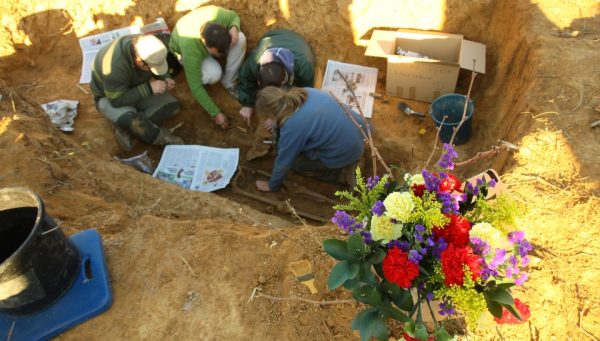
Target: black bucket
(38, 263)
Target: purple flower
(429, 296)
(372, 182)
(432, 182)
(439, 248)
(516, 236)
(420, 228)
(402, 245)
(480, 182)
(492, 183)
(499, 259)
(513, 260)
(378, 208)
(447, 159)
(423, 251)
(429, 242)
(480, 247)
(521, 279)
(346, 222)
(524, 261)
(367, 237)
(418, 237)
(446, 308)
(511, 271)
(414, 256)
(524, 248)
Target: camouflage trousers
(142, 119)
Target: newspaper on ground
(363, 80)
(92, 44)
(62, 113)
(199, 168)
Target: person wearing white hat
(130, 83)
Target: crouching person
(315, 136)
(130, 81)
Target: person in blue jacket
(316, 136)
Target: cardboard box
(424, 79)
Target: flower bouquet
(429, 245)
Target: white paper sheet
(363, 79)
(198, 168)
(92, 44)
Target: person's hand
(235, 35)
(170, 83)
(246, 113)
(270, 124)
(263, 186)
(221, 120)
(158, 86)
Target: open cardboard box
(420, 78)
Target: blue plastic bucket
(452, 106)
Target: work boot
(165, 136)
(123, 138)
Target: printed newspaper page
(362, 78)
(199, 168)
(92, 44)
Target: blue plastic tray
(89, 296)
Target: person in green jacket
(198, 38)
(281, 58)
(130, 81)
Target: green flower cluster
(427, 212)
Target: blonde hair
(279, 102)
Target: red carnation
(508, 318)
(398, 269)
(418, 190)
(455, 232)
(453, 261)
(450, 184)
(410, 338)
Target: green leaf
(365, 275)
(394, 313)
(501, 296)
(401, 298)
(356, 246)
(370, 323)
(363, 318)
(367, 294)
(409, 328)
(352, 284)
(340, 273)
(421, 332)
(379, 269)
(494, 308)
(513, 310)
(376, 328)
(505, 286)
(337, 249)
(376, 256)
(442, 335)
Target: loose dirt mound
(184, 265)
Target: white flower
(383, 229)
(399, 205)
(416, 179)
(489, 234)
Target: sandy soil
(184, 265)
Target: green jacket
(115, 76)
(304, 63)
(186, 42)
